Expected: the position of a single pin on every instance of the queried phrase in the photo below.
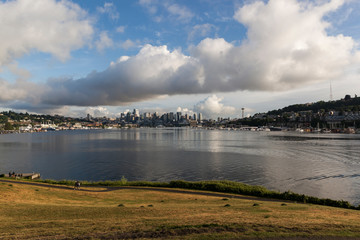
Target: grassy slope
(31, 212)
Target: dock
(24, 175)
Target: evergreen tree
(8, 126)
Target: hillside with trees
(348, 104)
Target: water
(322, 165)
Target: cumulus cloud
(153, 71)
(96, 111)
(185, 111)
(103, 42)
(110, 10)
(43, 25)
(21, 89)
(287, 46)
(211, 107)
(181, 13)
(120, 29)
(128, 44)
(150, 5)
(201, 30)
(173, 11)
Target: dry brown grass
(32, 212)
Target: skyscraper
(136, 112)
(178, 116)
(200, 117)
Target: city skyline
(215, 57)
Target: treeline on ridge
(347, 104)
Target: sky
(210, 56)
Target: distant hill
(348, 104)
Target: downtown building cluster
(147, 119)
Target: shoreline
(241, 129)
(227, 187)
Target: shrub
(123, 180)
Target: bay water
(322, 165)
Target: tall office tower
(178, 116)
(128, 117)
(136, 113)
(164, 117)
(200, 117)
(171, 116)
(147, 115)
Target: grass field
(43, 212)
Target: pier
(23, 175)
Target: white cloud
(21, 74)
(288, 46)
(201, 30)
(21, 89)
(128, 44)
(96, 111)
(152, 72)
(103, 42)
(211, 107)
(120, 29)
(43, 25)
(150, 5)
(172, 11)
(109, 9)
(181, 13)
(185, 111)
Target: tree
(3, 119)
(8, 126)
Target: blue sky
(215, 57)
